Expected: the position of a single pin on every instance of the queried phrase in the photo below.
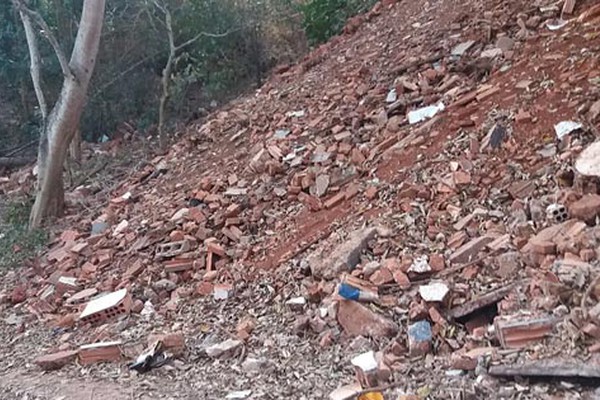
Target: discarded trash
(462, 48)
(151, 358)
(392, 96)
(421, 114)
(296, 303)
(350, 292)
(563, 128)
(371, 396)
(420, 265)
(282, 133)
(241, 394)
(419, 338)
(297, 114)
(365, 361)
(434, 292)
(556, 24)
(491, 53)
(366, 368)
(222, 291)
(496, 135)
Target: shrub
(17, 243)
(326, 18)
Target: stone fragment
(224, 349)
(344, 257)
(253, 365)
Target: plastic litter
(563, 128)
(421, 114)
(434, 292)
(556, 24)
(350, 292)
(151, 358)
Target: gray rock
(223, 349)
(342, 258)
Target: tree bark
(35, 64)
(75, 147)
(166, 79)
(64, 118)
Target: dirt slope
(266, 190)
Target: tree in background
(60, 124)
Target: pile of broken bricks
(482, 250)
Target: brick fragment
(179, 265)
(215, 248)
(516, 332)
(542, 246)
(358, 320)
(381, 276)
(99, 352)
(52, 362)
(469, 251)
(107, 307)
(174, 342)
(586, 208)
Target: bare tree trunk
(64, 119)
(35, 64)
(166, 73)
(166, 79)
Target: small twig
(20, 148)
(92, 394)
(458, 268)
(90, 174)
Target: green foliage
(17, 243)
(133, 51)
(326, 18)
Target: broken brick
(516, 332)
(172, 342)
(381, 276)
(215, 248)
(469, 251)
(51, 362)
(99, 352)
(358, 320)
(586, 208)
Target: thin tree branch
(205, 34)
(123, 73)
(47, 32)
(35, 63)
